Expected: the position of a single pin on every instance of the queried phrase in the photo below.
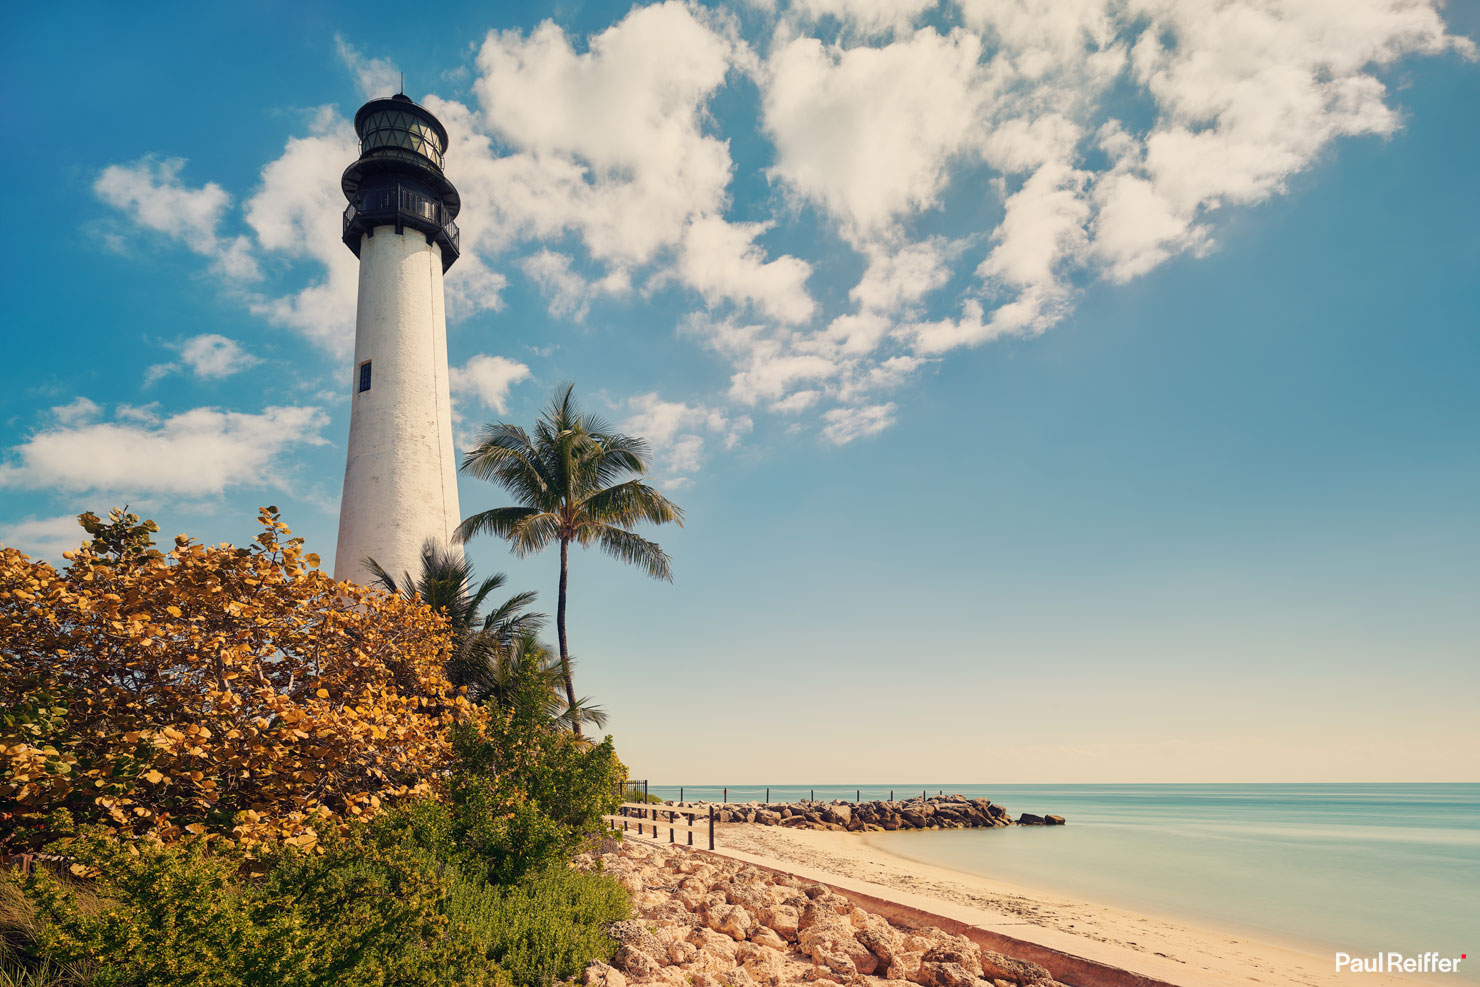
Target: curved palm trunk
(570, 688)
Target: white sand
(1152, 946)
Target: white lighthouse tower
(400, 478)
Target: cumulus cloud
(843, 425)
(45, 538)
(151, 193)
(722, 262)
(202, 451)
(488, 378)
(77, 411)
(608, 142)
(567, 294)
(678, 433)
(209, 356)
(296, 213)
(977, 173)
(373, 76)
(867, 132)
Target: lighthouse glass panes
(390, 130)
(365, 376)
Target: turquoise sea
(1357, 868)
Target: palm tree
(568, 481)
(482, 643)
(529, 661)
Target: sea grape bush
(236, 694)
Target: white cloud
(677, 433)
(488, 378)
(869, 132)
(45, 538)
(373, 76)
(608, 142)
(843, 425)
(197, 452)
(297, 213)
(901, 275)
(210, 356)
(866, 17)
(595, 166)
(722, 261)
(151, 193)
(567, 294)
(77, 411)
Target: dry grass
(21, 963)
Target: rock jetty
(940, 812)
(701, 920)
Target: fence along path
(649, 816)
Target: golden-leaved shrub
(238, 693)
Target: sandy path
(1155, 947)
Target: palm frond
(630, 503)
(524, 526)
(633, 549)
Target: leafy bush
(524, 790)
(234, 692)
(548, 926)
(388, 903)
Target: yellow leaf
(322, 693)
(173, 611)
(154, 777)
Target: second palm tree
(568, 480)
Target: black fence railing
(773, 794)
(401, 206)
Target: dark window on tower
(365, 376)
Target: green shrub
(357, 913)
(549, 926)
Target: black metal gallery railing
(401, 206)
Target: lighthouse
(400, 477)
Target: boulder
(731, 920)
(932, 974)
(598, 974)
(1053, 820)
(682, 952)
(784, 920)
(635, 934)
(997, 966)
(955, 951)
(769, 938)
(835, 949)
(637, 962)
(1028, 819)
(765, 965)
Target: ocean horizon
(1358, 868)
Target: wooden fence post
(711, 827)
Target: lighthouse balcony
(402, 207)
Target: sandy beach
(1152, 946)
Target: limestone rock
(835, 947)
(995, 965)
(763, 936)
(765, 965)
(598, 974)
(783, 919)
(637, 962)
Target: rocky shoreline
(939, 812)
(702, 920)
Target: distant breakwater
(878, 816)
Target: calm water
(1359, 868)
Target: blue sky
(1057, 392)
